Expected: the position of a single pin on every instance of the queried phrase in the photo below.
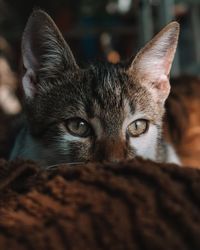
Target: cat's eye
(138, 127)
(78, 127)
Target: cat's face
(104, 112)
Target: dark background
(109, 29)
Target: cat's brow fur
(107, 96)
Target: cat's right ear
(45, 53)
(152, 64)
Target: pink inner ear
(167, 62)
(28, 82)
(162, 85)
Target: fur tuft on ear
(152, 64)
(44, 51)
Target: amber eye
(78, 127)
(138, 127)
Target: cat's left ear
(151, 66)
(45, 54)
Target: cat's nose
(110, 150)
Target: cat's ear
(152, 64)
(45, 53)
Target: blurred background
(109, 29)
(99, 29)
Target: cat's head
(103, 112)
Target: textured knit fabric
(132, 205)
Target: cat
(104, 112)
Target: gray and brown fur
(107, 96)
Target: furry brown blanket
(133, 205)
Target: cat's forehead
(116, 94)
(106, 70)
(103, 90)
(107, 83)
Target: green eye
(138, 127)
(78, 127)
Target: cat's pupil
(138, 127)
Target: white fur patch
(172, 156)
(146, 144)
(65, 138)
(70, 138)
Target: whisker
(51, 167)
